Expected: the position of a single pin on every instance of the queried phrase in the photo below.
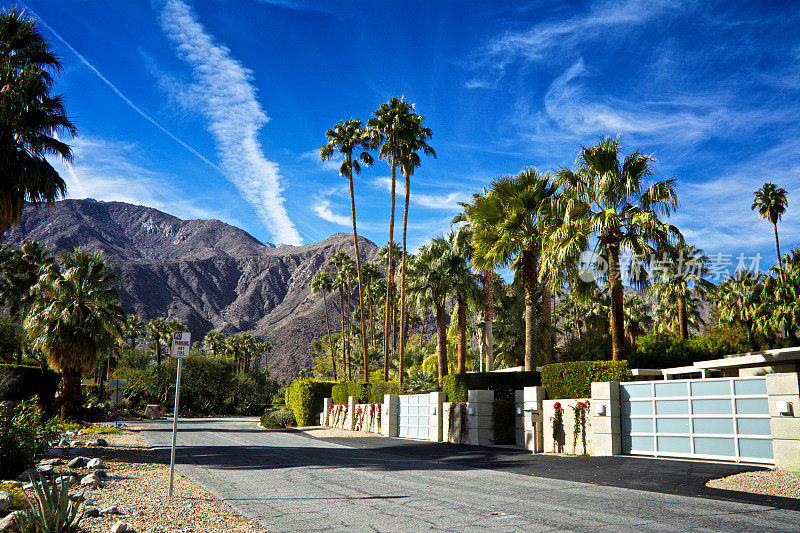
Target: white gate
(723, 418)
(414, 416)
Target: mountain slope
(206, 273)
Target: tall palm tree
(637, 318)
(322, 283)
(610, 201)
(738, 298)
(31, 118)
(134, 328)
(388, 124)
(159, 332)
(215, 342)
(370, 273)
(413, 140)
(465, 287)
(770, 202)
(339, 260)
(75, 319)
(347, 138)
(510, 233)
(388, 255)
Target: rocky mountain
(206, 273)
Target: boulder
(75, 497)
(63, 442)
(69, 480)
(54, 452)
(119, 527)
(69, 434)
(95, 463)
(92, 512)
(111, 510)
(29, 474)
(50, 462)
(76, 443)
(91, 480)
(6, 500)
(78, 462)
(102, 442)
(45, 469)
(102, 474)
(152, 411)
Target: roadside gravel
(138, 484)
(770, 482)
(323, 432)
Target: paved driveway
(288, 481)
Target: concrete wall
(785, 427)
(480, 409)
(605, 416)
(533, 425)
(563, 441)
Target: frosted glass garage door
(725, 418)
(414, 416)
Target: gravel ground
(323, 432)
(771, 482)
(138, 484)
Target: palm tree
(370, 273)
(322, 283)
(414, 139)
(338, 260)
(346, 138)
(465, 287)
(738, 298)
(637, 318)
(159, 332)
(75, 319)
(770, 202)
(610, 201)
(388, 255)
(509, 233)
(31, 119)
(388, 124)
(215, 342)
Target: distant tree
(214, 341)
(770, 202)
(322, 283)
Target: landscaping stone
(79, 451)
(27, 486)
(50, 462)
(102, 442)
(29, 474)
(92, 512)
(45, 469)
(76, 443)
(90, 444)
(101, 474)
(111, 510)
(95, 463)
(54, 452)
(63, 442)
(75, 497)
(92, 480)
(6, 500)
(78, 462)
(69, 434)
(119, 527)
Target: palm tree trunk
(778, 250)
(683, 321)
(577, 321)
(462, 335)
(358, 272)
(133, 342)
(389, 276)
(403, 281)
(70, 394)
(547, 316)
(345, 362)
(441, 341)
(529, 282)
(330, 338)
(488, 318)
(617, 313)
(371, 316)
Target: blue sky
(213, 109)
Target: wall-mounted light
(600, 409)
(519, 410)
(784, 408)
(471, 410)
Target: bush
(24, 436)
(662, 350)
(574, 379)
(278, 418)
(591, 346)
(342, 391)
(305, 397)
(378, 389)
(16, 493)
(504, 422)
(504, 384)
(420, 381)
(18, 382)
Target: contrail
(119, 93)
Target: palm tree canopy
(388, 124)
(78, 313)
(770, 202)
(347, 138)
(31, 118)
(322, 282)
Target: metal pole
(175, 427)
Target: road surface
(288, 481)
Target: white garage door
(415, 416)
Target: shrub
(574, 379)
(591, 346)
(24, 436)
(19, 382)
(504, 422)
(662, 350)
(305, 397)
(278, 418)
(378, 389)
(50, 510)
(421, 381)
(342, 391)
(16, 493)
(504, 384)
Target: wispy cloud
(228, 101)
(322, 207)
(331, 165)
(448, 202)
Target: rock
(78, 462)
(95, 463)
(6, 500)
(45, 469)
(92, 480)
(102, 442)
(102, 474)
(119, 527)
(91, 444)
(92, 512)
(79, 451)
(69, 434)
(152, 411)
(74, 497)
(50, 462)
(7, 524)
(69, 480)
(63, 442)
(111, 510)
(76, 443)
(29, 474)
(27, 486)
(89, 503)
(54, 452)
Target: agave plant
(50, 510)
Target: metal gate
(723, 418)
(414, 416)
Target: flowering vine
(580, 409)
(359, 419)
(558, 424)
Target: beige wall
(565, 442)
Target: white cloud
(331, 165)
(228, 101)
(430, 201)
(322, 207)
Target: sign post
(181, 342)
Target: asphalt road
(288, 481)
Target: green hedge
(305, 397)
(342, 391)
(378, 389)
(20, 382)
(372, 392)
(504, 422)
(278, 418)
(574, 379)
(504, 384)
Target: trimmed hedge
(305, 397)
(504, 422)
(20, 382)
(574, 379)
(372, 392)
(342, 391)
(379, 388)
(504, 384)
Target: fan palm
(637, 319)
(347, 138)
(610, 200)
(31, 118)
(509, 233)
(737, 300)
(214, 341)
(388, 255)
(322, 283)
(770, 202)
(340, 283)
(76, 317)
(370, 273)
(134, 328)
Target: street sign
(181, 343)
